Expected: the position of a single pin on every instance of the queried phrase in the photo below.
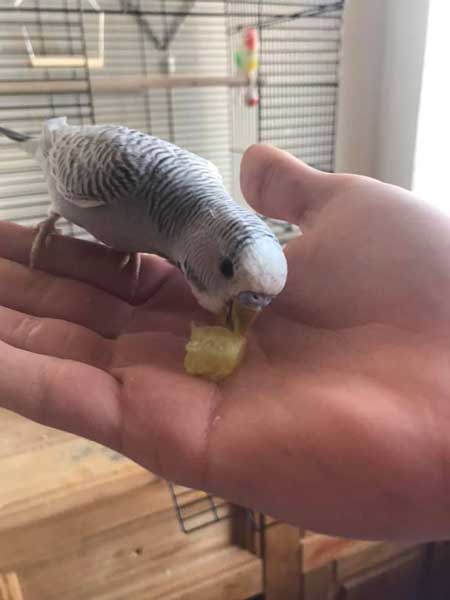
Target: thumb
(278, 185)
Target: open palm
(342, 404)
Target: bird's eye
(226, 268)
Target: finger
(54, 337)
(43, 295)
(89, 262)
(278, 185)
(62, 394)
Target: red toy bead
(251, 39)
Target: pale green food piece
(213, 352)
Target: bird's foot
(45, 230)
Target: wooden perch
(68, 60)
(119, 85)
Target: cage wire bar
(299, 73)
(23, 192)
(159, 41)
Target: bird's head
(242, 283)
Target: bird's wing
(90, 167)
(84, 202)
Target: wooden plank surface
(320, 584)
(128, 564)
(282, 576)
(21, 435)
(318, 550)
(46, 472)
(10, 587)
(366, 558)
(47, 539)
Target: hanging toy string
(247, 60)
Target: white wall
(431, 168)
(381, 73)
(361, 64)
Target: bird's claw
(44, 231)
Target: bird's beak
(242, 316)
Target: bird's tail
(28, 142)
(15, 135)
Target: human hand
(337, 419)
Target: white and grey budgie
(137, 193)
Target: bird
(137, 193)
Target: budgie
(137, 193)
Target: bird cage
(212, 76)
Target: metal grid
(298, 86)
(300, 58)
(23, 191)
(298, 78)
(196, 510)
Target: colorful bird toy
(247, 60)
